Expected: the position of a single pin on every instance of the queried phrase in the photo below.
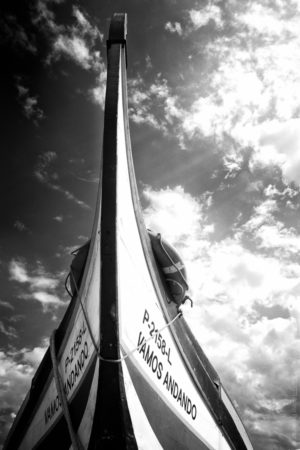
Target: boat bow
(132, 373)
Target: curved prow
(132, 372)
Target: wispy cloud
(211, 13)
(250, 97)
(246, 306)
(174, 28)
(58, 218)
(45, 298)
(75, 48)
(86, 27)
(78, 42)
(6, 304)
(8, 331)
(42, 166)
(49, 177)
(40, 285)
(251, 94)
(29, 103)
(269, 233)
(20, 226)
(69, 195)
(15, 34)
(18, 272)
(97, 93)
(16, 371)
(44, 17)
(153, 104)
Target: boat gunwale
(169, 309)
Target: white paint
(144, 435)
(136, 294)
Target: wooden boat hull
(133, 374)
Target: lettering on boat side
(149, 356)
(157, 366)
(77, 369)
(75, 346)
(74, 367)
(50, 411)
(159, 341)
(177, 392)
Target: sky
(215, 126)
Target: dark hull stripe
(171, 432)
(112, 428)
(58, 436)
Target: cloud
(14, 33)
(174, 28)
(279, 143)
(246, 306)
(16, 371)
(18, 272)
(40, 285)
(74, 48)
(6, 304)
(44, 161)
(45, 18)
(44, 298)
(272, 312)
(149, 64)
(35, 355)
(269, 233)
(251, 94)
(97, 93)
(43, 173)
(68, 195)
(8, 331)
(32, 110)
(77, 43)
(153, 104)
(250, 97)
(161, 214)
(20, 226)
(85, 25)
(253, 16)
(210, 13)
(58, 218)
(29, 104)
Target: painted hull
(133, 374)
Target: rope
(102, 358)
(76, 444)
(85, 314)
(144, 342)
